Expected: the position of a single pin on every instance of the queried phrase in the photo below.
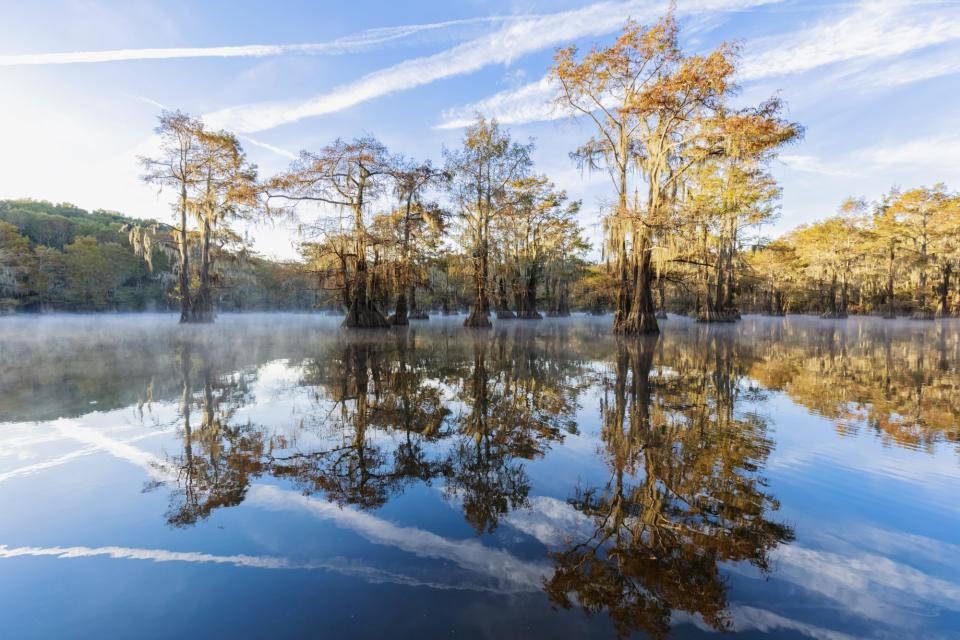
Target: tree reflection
(684, 492)
(372, 388)
(519, 399)
(386, 414)
(901, 385)
(219, 456)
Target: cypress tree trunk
(502, 308)
(943, 305)
(641, 320)
(844, 298)
(921, 312)
(415, 312)
(363, 312)
(528, 299)
(201, 309)
(891, 310)
(399, 318)
(184, 259)
(662, 289)
(833, 308)
(480, 313)
(622, 309)
(718, 305)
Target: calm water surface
(275, 476)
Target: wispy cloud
(530, 103)
(747, 618)
(336, 565)
(936, 63)
(269, 147)
(155, 555)
(348, 44)
(813, 164)
(939, 151)
(875, 30)
(503, 46)
(511, 573)
(873, 586)
(74, 430)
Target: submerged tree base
(418, 315)
(921, 315)
(661, 315)
(833, 315)
(365, 317)
(529, 315)
(730, 315)
(505, 314)
(637, 324)
(197, 316)
(478, 321)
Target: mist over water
(274, 474)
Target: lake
(275, 476)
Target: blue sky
(876, 83)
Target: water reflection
(636, 470)
(385, 414)
(684, 491)
(903, 385)
(220, 456)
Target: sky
(875, 83)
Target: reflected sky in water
(274, 475)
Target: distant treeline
(59, 257)
(896, 256)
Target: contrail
(347, 44)
(342, 566)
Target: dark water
(272, 476)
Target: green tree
(17, 265)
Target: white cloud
(348, 44)
(156, 555)
(940, 152)
(153, 466)
(813, 164)
(517, 38)
(269, 147)
(550, 521)
(530, 103)
(511, 573)
(50, 463)
(927, 65)
(874, 29)
(747, 618)
(870, 585)
(336, 565)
